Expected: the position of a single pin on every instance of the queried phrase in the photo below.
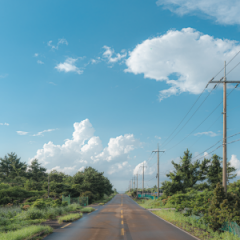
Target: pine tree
(214, 174)
(186, 174)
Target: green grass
(101, 204)
(69, 217)
(87, 210)
(191, 225)
(25, 233)
(151, 203)
(13, 218)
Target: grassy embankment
(26, 232)
(14, 219)
(87, 210)
(69, 218)
(149, 204)
(189, 224)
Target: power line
(200, 123)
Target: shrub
(223, 208)
(34, 213)
(39, 203)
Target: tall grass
(47, 213)
(87, 210)
(9, 212)
(194, 226)
(153, 203)
(25, 233)
(69, 217)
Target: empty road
(121, 218)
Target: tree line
(17, 177)
(198, 175)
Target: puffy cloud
(36, 55)
(40, 62)
(108, 54)
(69, 66)
(4, 124)
(66, 170)
(224, 12)
(118, 146)
(81, 169)
(118, 166)
(235, 163)
(85, 149)
(209, 133)
(181, 59)
(22, 133)
(41, 133)
(147, 170)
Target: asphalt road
(121, 218)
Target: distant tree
(11, 166)
(36, 172)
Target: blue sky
(114, 78)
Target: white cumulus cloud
(209, 133)
(22, 133)
(223, 12)
(85, 149)
(69, 66)
(182, 59)
(148, 170)
(235, 163)
(118, 166)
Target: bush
(223, 208)
(40, 204)
(34, 213)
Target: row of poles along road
(224, 176)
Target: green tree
(214, 174)
(11, 167)
(36, 172)
(185, 175)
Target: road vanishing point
(121, 218)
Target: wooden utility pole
(158, 169)
(137, 185)
(224, 177)
(48, 185)
(143, 180)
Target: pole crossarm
(224, 81)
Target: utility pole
(143, 180)
(133, 182)
(224, 122)
(158, 170)
(137, 185)
(48, 185)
